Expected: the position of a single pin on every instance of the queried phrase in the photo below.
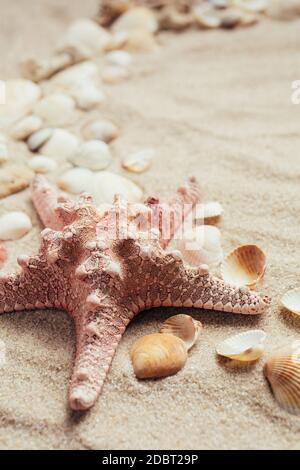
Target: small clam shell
(120, 58)
(107, 185)
(140, 161)
(41, 164)
(114, 74)
(14, 178)
(158, 355)
(39, 138)
(3, 255)
(86, 39)
(247, 346)
(209, 211)
(206, 17)
(55, 109)
(88, 97)
(244, 266)
(26, 127)
(257, 6)
(138, 18)
(183, 326)
(14, 225)
(20, 96)
(61, 143)
(76, 180)
(140, 41)
(172, 19)
(100, 129)
(283, 372)
(93, 154)
(78, 75)
(201, 245)
(291, 300)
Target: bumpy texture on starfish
(104, 281)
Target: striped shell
(247, 346)
(183, 326)
(244, 266)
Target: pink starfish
(104, 281)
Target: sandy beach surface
(216, 105)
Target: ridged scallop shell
(14, 225)
(183, 326)
(20, 96)
(283, 372)
(244, 266)
(209, 211)
(41, 164)
(201, 245)
(138, 18)
(93, 154)
(139, 161)
(247, 346)
(100, 129)
(158, 355)
(55, 109)
(291, 300)
(26, 127)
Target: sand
(216, 105)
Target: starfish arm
(98, 336)
(46, 199)
(169, 216)
(196, 288)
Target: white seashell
(247, 346)
(78, 75)
(121, 58)
(56, 109)
(138, 18)
(61, 143)
(114, 74)
(140, 161)
(25, 127)
(244, 266)
(117, 41)
(93, 154)
(20, 96)
(39, 138)
(76, 180)
(283, 372)
(183, 326)
(252, 5)
(140, 41)
(40, 164)
(88, 97)
(14, 225)
(100, 129)
(291, 301)
(201, 245)
(208, 211)
(206, 17)
(14, 178)
(86, 39)
(107, 185)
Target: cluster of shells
(48, 128)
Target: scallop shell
(244, 266)
(120, 58)
(247, 346)
(114, 74)
(291, 300)
(14, 178)
(55, 109)
(61, 143)
(283, 372)
(41, 164)
(86, 39)
(139, 18)
(100, 129)
(183, 326)
(140, 161)
(201, 245)
(206, 17)
(93, 154)
(39, 138)
(209, 211)
(14, 225)
(107, 185)
(3, 255)
(158, 355)
(26, 127)
(76, 180)
(20, 96)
